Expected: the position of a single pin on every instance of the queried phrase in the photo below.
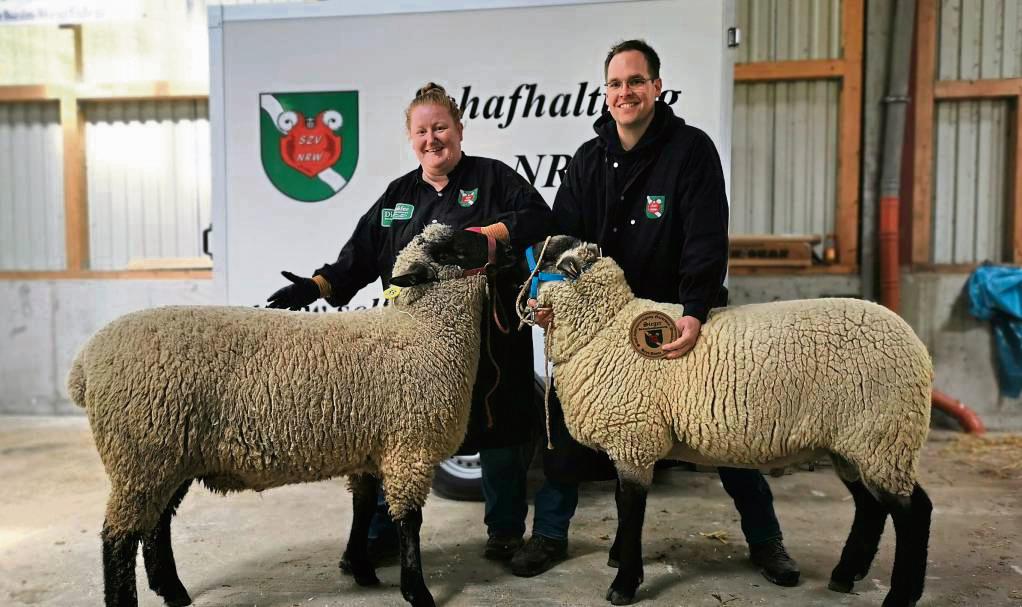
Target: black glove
(295, 296)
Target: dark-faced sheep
(765, 385)
(242, 398)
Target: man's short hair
(652, 59)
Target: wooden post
(922, 169)
(850, 134)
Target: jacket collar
(458, 169)
(663, 123)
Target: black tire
(459, 478)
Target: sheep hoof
(178, 601)
(840, 586)
(617, 597)
(174, 597)
(366, 578)
(897, 600)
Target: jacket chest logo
(402, 211)
(655, 206)
(467, 198)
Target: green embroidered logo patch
(467, 198)
(403, 210)
(655, 206)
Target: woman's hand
(294, 296)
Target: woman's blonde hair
(432, 94)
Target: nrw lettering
(556, 167)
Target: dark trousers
(556, 502)
(504, 471)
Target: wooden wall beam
(922, 169)
(108, 274)
(773, 71)
(158, 90)
(977, 89)
(155, 91)
(30, 92)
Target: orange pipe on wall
(890, 279)
(966, 417)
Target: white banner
(528, 78)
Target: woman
(462, 191)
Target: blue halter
(530, 256)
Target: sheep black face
(442, 253)
(566, 255)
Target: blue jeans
(556, 502)
(382, 525)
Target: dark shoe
(774, 563)
(382, 550)
(537, 555)
(502, 547)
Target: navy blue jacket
(660, 209)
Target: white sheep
(765, 385)
(243, 398)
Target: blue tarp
(995, 294)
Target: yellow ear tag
(392, 293)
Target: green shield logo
(309, 142)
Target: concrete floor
(281, 547)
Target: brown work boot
(774, 562)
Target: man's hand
(543, 315)
(688, 330)
(294, 296)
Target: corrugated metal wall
(170, 42)
(784, 158)
(148, 180)
(784, 142)
(786, 30)
(147, 163)
(970, 182)
(34, 54)
(31, 187)
(977, 40)
(980, 39)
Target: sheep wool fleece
(246, 398)
(764, 382)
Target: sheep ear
(418, 273)
(570, 266)
(555, 247)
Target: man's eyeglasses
(633, 83)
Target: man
(649, 189)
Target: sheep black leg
(631, 511)
(158, 554)
(912, 527)
(119, 552)
(413, 587)
(614, 558)
(364, 488)
(863, 539)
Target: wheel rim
(466, 467)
